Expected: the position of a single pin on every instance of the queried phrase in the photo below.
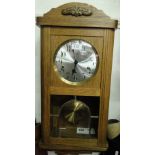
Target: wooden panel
(70, 22)
(74, 91)
(97, 19)
(74, 141)
(105, 83)
(70, 146)
(94, 82)
(77, 32)
(45, 46)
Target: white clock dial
(76, 60)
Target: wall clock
(76, 61)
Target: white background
(17, 77)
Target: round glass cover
(76, 61)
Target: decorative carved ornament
(77, 11)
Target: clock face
(76, 61)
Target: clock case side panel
(45, 100)
(105, 85)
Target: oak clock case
(76, 61)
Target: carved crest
(77, 11)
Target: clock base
(57, 147)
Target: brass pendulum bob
(71, 116)
(74, 113)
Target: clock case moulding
(76, 21)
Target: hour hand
(74, 70)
